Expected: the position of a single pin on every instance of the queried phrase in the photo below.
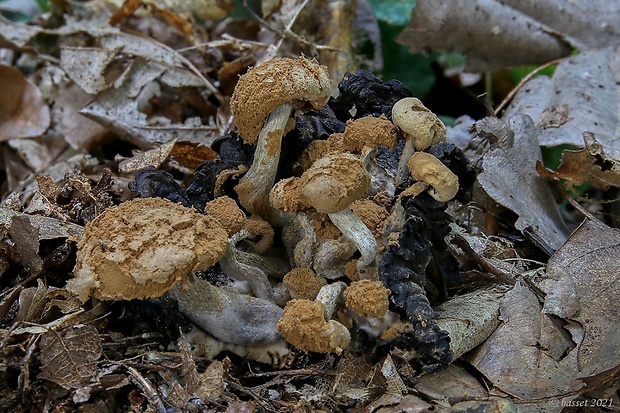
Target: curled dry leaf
(510, 178)
(583, 165)
(23, 113)
(69, 356)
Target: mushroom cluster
(318, 222)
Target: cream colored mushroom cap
(142, 247)
(422, 125)
(302, 82)
(424, 167)
(332, 183)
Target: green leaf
(393, 12)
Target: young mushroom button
(262, 103)
(426, 168)
(421, 127)
(330, 186)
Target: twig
(519, 85)
(147, 388)
(574, 203)
(491, 269)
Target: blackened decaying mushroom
(402, 269)
(363, 94)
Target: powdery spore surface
(142, 247)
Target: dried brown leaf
(589, 164)
(26, 238)
(69, 357)
(525, 356)
(153, 157)
(32, 302)
(23, 113)
(211, 382)
(584, 285)
(451, 385)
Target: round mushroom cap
(426, 168)
(413, 118)
(142, 247)
(302, 82)
(332, 183)
(368, 298)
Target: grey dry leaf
(513, 32)
(23, 113)
(116, 110)
(525, 357)
(583, 276)
(154, 157)
(69, 357)
(511, 179)
(583, 95)
(453, 383)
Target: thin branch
(519, 85)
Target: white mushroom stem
(408, 150)
(329, 295)
(354, 229)
(254, 187)
(243, 272)
(231, 317)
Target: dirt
(142, 247)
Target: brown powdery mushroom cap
(303, 325)
(424, 167)
(303, 283)
(142, 247)
(334, 182)
(302, 82)
(422, 125)
(368, 298)
(226, 211)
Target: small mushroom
(421, 127)
(307, 324)
(442, 182)
(262, 103)
(360, 134)
(330, 186)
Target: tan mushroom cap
(303, 283)
(413, 118)
(334, 182)
(426, 168)
(226, 211)
(142, 247)
(366, 297)
(302, 82)
(303, 325)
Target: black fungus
(155, 183)
(403, 271)
(363, 94)
(232, 154)
(314, 125)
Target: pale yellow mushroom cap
(424, 167)
(422, 125)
